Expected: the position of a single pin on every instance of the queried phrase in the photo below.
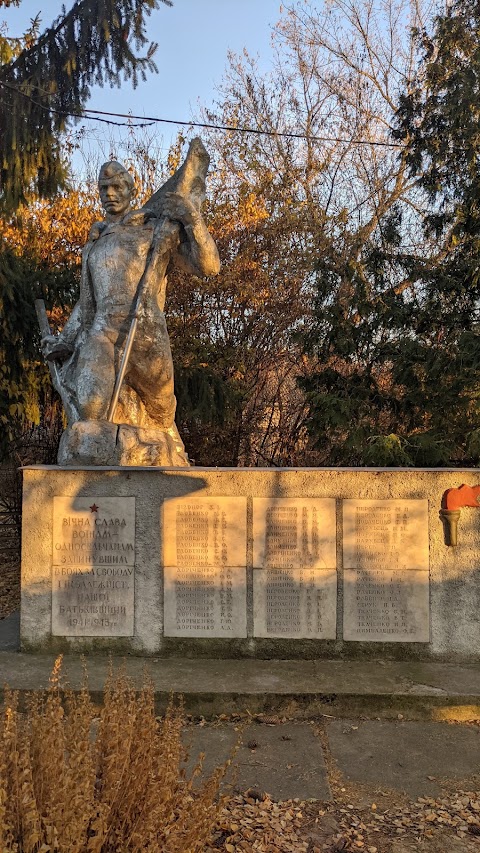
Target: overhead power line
(148, 121)
(238, 129)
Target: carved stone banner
(295, 603)
(205, 553)
(93, 574)
(386, 576)
(294, 533)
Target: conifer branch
(91, 44)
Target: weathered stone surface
(112, 360)
(93, 560)
(294, 533)
(385, 534)
(104, 443)
(205, 532)
(454, 572)
(386, 606)
(295, 603)
(205, 602)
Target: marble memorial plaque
(93, 574)
(295, 603)
(205, 601)
(205, 553)
(294, 533)
(385, 534)
(385, 557)
(390, 606)
(201, 532)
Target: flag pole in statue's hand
(131, 332)
(188, 180)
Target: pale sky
(194, 38)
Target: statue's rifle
(70, 411)
(137, 303)
(188, 180)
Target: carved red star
(94, 508)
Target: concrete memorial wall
(305, 562)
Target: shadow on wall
(92, 545)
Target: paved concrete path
(290, 759)
(292, 688)
(284, 760)
(408, 756)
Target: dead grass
(75, 780)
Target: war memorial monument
(126, 547)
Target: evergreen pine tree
(396, 334)
(438, 121)
(45, 81)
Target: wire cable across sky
(147, 121)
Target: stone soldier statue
(112, 363)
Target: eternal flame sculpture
(112, 363)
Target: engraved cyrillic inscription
(204, 532)
(386, 534)
(386, 578)
(386, 606)
(208, 601)
(294, 533)
(93, 575)
(205, 555)
(292, 603)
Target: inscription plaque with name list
(386, 606)
(295, 603)
(294, 533)
(386, 570)
(294, 560)
(385, 534)
(205, 567)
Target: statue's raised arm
(114, 361)
(180, 199)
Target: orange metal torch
(452, 502)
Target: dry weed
(72, 782)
